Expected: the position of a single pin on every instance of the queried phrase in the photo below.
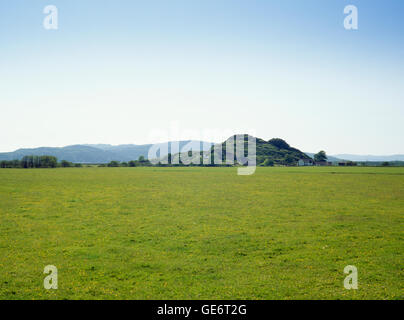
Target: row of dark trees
(37, 162)
(51, 162)
(31, 162)
(142, 162)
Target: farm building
(305, 162)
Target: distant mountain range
(329, 158)
(276, 150)
(361, 158)
(353, 157)
(104, 153)
(99, 153)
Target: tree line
(28, 162)
(52, 162)
(141, 162)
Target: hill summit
(275, 150)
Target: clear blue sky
(115, 71)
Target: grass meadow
(202, 233)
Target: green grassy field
(202, 233)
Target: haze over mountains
(353, 157)
(362, 158)
(104, 153)
(329, 158)
(99, 153)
